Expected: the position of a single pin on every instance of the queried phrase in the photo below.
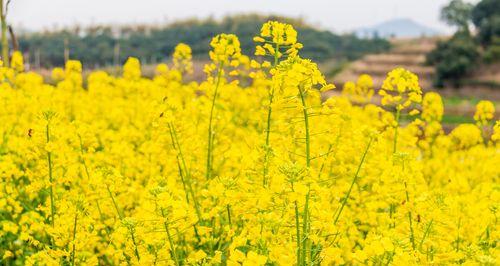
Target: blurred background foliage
(104, 45)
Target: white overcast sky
(340, 16)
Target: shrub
(454, 59)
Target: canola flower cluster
(249, 167)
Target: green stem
(305, 226)
(74, 238)
(121, 216)
(297, 229)
(268, 127)
(228, 208)
(398, 114)
(392, 209)
(306, 124)
(187, 173)
(51, 178)
(132, 234)
(458, 235)
(179, 167)
(101, 218)
(268, 131)
(305, 229)
(426, 233)
(101, 215)
(324, 160)
(83, 158)
(210, 133)
(344, 200)
(108, 234)
(171, 242)
(410, 219)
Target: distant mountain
(397, 28)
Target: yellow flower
(485, 111)
(361, 91)
(466, 135)
(72, 78)
(225, 48)
(401, 89)
(16, 61)
(332, 256)
(296, 72)
(57, 74)
(7, 254)
(132, 69)
(73, 66)
(113, 170)
(432, 107)
(197, 257)
(217, 257)
(161, 69)
(277, 37)
(252, 258)
(365, 81)
(182, 58)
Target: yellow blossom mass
(247, 167)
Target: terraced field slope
(407, 53)
(410, 54)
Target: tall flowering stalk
(225, 50)
(48, 116)
(400, 89)
(184, 172)
(402, 159)
(485, 112)
(181, 58)
(278, 40)
(300, 77)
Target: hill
(407, 53)
(401, 28)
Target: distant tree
(492, 52)
(457, 13)
(454, 59)
(486, 18)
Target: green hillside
(99, 46)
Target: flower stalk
(210, 123)
(356, 175)
(51, 177)
(395, 143)
(268, 123)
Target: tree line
(106, 45)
